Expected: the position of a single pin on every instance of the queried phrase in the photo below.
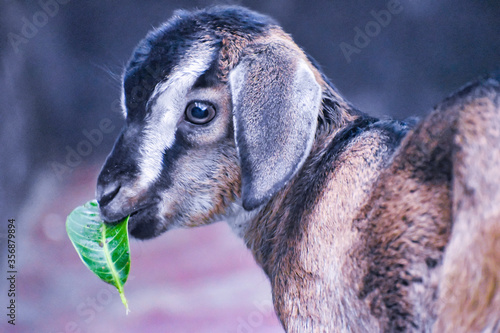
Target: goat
(361, 224)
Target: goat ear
(276, 99)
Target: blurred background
(60, 67)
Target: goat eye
(200, 113)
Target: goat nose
(105, 194)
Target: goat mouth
(133, 218)
(139, 211)
(134, 212)
(143, 223)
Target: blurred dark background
(60, 68)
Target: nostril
(108, 197)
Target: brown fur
(470, 287)
(405, 227)
(385, 227)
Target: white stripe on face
(169, 101)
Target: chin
(145, 224)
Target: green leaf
(103, 247)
